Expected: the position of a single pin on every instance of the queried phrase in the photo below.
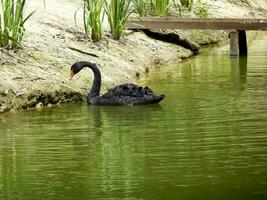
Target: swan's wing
(129, 89)
(128, 94)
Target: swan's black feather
(128, 94)
(129, 89)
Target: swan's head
(75, 68)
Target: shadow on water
(239, 72)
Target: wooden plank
(197, 23)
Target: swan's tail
(158, 98)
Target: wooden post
(234, 48)
(242, 43)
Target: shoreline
(37, 74)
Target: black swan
(125, 94)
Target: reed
(117, 12)
(93, 16)
(160, 7)
(187, 3)
(141, 7)
(12, 22)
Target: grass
(201, 9)
(117, 12)
(141, 7)
(187, 3)
(93, 19)
(160, 7)
(247, 3)
(12, 22)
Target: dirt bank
(38, 72)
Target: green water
(207, 140)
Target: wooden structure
(237, 27)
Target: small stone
(3, 108)
(39, 105)
(12, 110)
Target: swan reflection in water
(112, 118)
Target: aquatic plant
(160, 7)
(93, 16)
(141, 7)
(117, 12)
(12, 22)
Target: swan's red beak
(71, 74)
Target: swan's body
(125, 94)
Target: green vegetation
(160, 7)
(12, 22)
(187, 3)
(117, 12)
(247, 3)
(141, 7)
(201, 9)
(93, 19)
(185, 7)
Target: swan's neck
(95, 90)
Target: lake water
(206, 140)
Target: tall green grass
(12, 22)
(141, 7)
(117, 12)
(93, 19)
(160, 7)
